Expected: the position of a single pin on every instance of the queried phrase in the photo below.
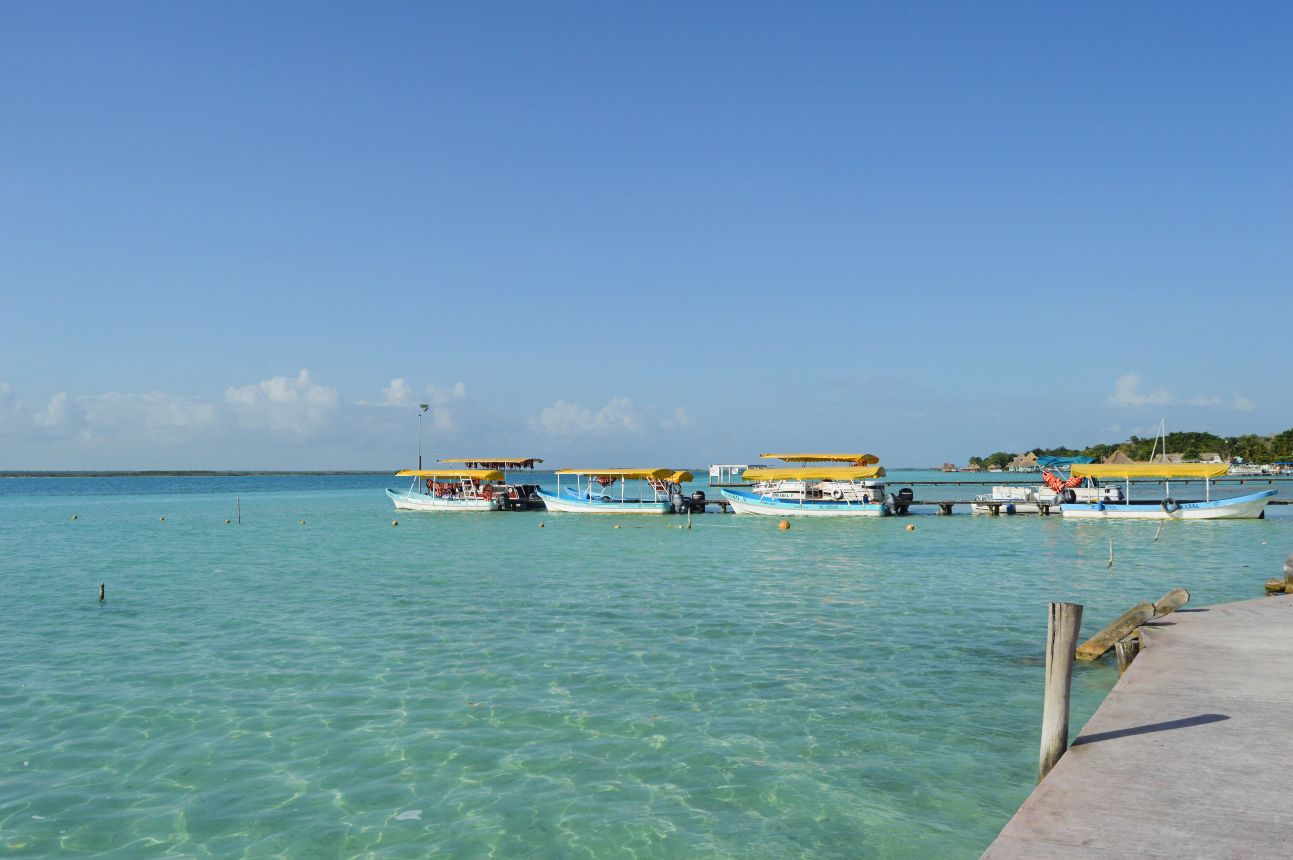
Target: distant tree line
(1251, 448)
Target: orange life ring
(487, 492)
(430, 484)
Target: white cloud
(1128, 390)
(398, 393)
(154, 415)
(294, 405)
(62, 416)
(680, 419)
(564, 418)
(445, 406)
(10, 409)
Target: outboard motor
(678, 502)
(891, 503)
(698, 502)
(905, 497)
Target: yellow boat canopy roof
(681, 477)
(859, 459)
(496, 462)
(478, 474)
(619, 473)
(1150, 470)
(819, 473)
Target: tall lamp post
(422, 410)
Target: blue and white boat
(517, 495)
(814, 489)
(1246, 507)
(594, 491)
(450, 490)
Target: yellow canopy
(1150, 470)
(819, 473)
(502, 461)
(478, 474)
(619, 473)
(865, 459)
(681, 477)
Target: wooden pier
(1187, 757)
(995, 507)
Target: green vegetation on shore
(1251, 448)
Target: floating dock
(1187, 757)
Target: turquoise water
(474, 685)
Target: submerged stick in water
(1110, 554)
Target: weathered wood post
(1119, 628)
(1064, 621)
(100, 592)
(1170, 602)
(1288, 574)
(1126, 649)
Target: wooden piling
(1117, 629)
(100, 592)
(1288, 574)
(1126, 649)
(1170, 602)
(1064, 621)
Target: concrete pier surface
(1188, 756)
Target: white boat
(1028, 500)
(1014, 500)
(1248, 506)
(594, 491)
(517, 495)
(814, 490)
(450, 490)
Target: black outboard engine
(905, 497)
(698, 502)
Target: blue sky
(256, 235)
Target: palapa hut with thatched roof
(1116, 457)
(1025, 462)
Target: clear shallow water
(473, 685)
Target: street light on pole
(422, 408)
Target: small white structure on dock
(727, 473)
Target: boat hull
(422, 502)
(744, 502)
(567, 505)
(1249, 507)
